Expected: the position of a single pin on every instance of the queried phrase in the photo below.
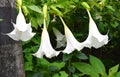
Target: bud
(45, 11)
(85, 5)
(25, 10)
(56, 11)
(19, 2)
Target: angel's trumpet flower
(72, 43)
(45, 47)
(60, 38)
(22, 31)
(95, 38)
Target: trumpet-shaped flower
(95, 38)
(72, 43)
(45, 47)
(22, 31)
(60, 38)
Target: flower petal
(13, 35)
(28, 34)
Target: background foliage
(106, 14)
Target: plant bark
(11, 57)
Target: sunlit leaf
(113, 70)
(98, 65)
(85, 68)
(35, 8)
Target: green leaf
(28, 66)
(67, 57)
(28, 57)
(71, 69)
(42, 63)
(58, 65)
(34, 23)
(56, 75)
(98, 65)
(85, 68)
(81, 55)
(52, 68)
(58, 12)
(60, 74)
(35, 8)
(63, 74)
(113, 70)
(114, 24)
(75, 75)
(117, 74)
(110, 8)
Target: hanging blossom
(22, 31)
(72, 43)
(45, 47)
(60, 38)
(95, 38)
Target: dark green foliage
(106, 14)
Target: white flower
(95, 38)
(22, 31)
(72, 43)
(60, 38)
(45, 47)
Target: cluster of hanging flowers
(95, 39)
(23, 31)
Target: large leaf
(113, 71)
(98, 65)
(85, 68)
(117, 74)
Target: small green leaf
(63, 74)
(58, 65)
(52, 68)
(67, 57)
(42, 63)
(71, 69)
(114, 24)
(59, 13)
(28, 66)
(28, 57)
(113, 70)
(75, 75)
(117, 74)
(81, 55)
(98, 65)
(56, 75)
(110, 8)
(35, 8)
